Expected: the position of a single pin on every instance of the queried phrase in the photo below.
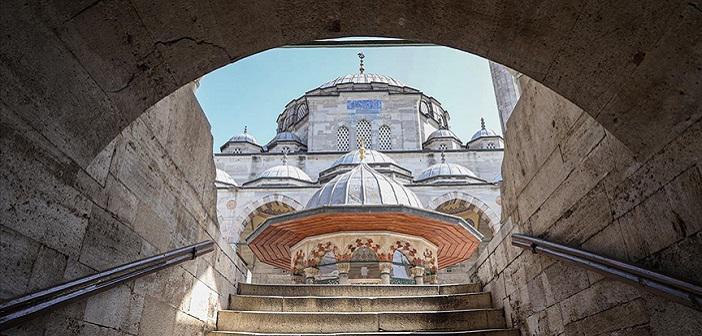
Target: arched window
(363, 134)
(342, 139)
(327, 266)
(301, 111)
(384, 138)
(364, 264)
(401, 266)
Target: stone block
(18, 255)
(565, 280)
(680, 260)
(108, 242)
(48, 269)
(547, 179)
(601, 296)
(657, 171)
(609, 242)
(620, 318)
(118, 308)
(650, 227)
(684, 195)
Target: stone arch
(244, 212)
(408, 250)
(478, 206)
(115, 80)
(253, 214)
(320, 250)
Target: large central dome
(362, 78)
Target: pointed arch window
(384, 138)
(363, 134)
(342, 139)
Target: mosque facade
(364, 183)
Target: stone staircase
(361, 310)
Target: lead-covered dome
(285, 171)
(483, 131)
(222, 177)
(442, 133)
(362, 78)
(244, 137)
(363, 186)
(447, 172)
(285, 136)
(371, 157)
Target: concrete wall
(150, 190)
(568, 180)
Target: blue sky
(254, 90)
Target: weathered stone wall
(150, 190)
(568, 180)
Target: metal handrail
(676, 290)
(31, 305)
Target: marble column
(343, 268)
(418, 274)
(385, 269)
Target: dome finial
(443, 156)
(246, 128)
(362, 150)
(285, 158)
(361, 56)
(482, 123)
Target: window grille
(363, 134)
(342, 139)
(384, 138)
(442, 147)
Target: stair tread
(428, 332)
(361, 297)
(357, 313)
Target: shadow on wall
(150, 190)
(569, 180)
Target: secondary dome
(285, 136)
(362, 78)
(285, 171)
(371, 157)
(483, 131)
(222, 177)
(442, 133)
(447, 172)
(363, 186)
(244, 137)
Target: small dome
(363, 186)
(483, 132)
(354, 157)
(222, 177)
(445, 169)
(362, 78)
(285, 171)
(285, 136)
(244, 137)
(442, 133)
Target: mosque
(364, 182)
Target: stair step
(489, 332)
(360, 304)
(356, 290)
(326, 322)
